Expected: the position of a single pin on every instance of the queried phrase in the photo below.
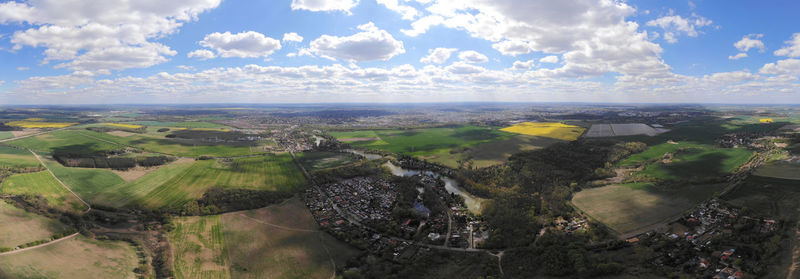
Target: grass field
(189, 124)
(42, 184)
(628, 207)
(155, 141)
(447, 145)
(16, 158)
(324, 160)
(78, 141)
(280, 241)
(6, 135)
(780, 169)
(78, 257)
(690, 161)
(20, 227)
(272, 172)
(87, 183)
(39, 124)
(547, 129)
(768, 197)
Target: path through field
(88, 206)
(40, 245)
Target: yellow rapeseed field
(211, 129)
(547, 129)
(39, 124)
(129, 126)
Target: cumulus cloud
(512, 47)
(738, 56)
(438, 55)
(523, 65)
(324, 5)
(406, 11)
(292, 37)
(100, 36)
(549, 59)
(248, 44)
(676, 24)
(370, 44)
(202, 54)
(471, 56)
(749, 42)
(792, 48)
(788, 67)
(463, 68)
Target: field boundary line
(38, 246)
(89, 207)
(278, 226)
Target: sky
(367, 51)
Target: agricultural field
(75, 141)
(280, 240)
(696, 163)
(38, 123)
(324, 160)
(547, 129)
(87, 183)
(628, 207)
(128, 126)
(16, 158)
(188, 124)
(780, 169)
(443, 145)
(43, 184)
(767, 196)
(77, 257)
(616, 130)
(272, 172)
(21, 227)
(6, 135)
(155, 142)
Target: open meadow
(20, 227)
(628, 207)
(768, 196)
(17, 158)
(323, 160)
(485, 146)
(77, 257)
(73, 141)
(42, 184)
(780, 169)
(279, 241)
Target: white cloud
(738, 56)
(675, 24)
(438, 55)
(787, 67)
(471, 56)
(370, 44)
(407, 12)
(186, 67)
(520, 65)
(549, 59)
(324, 5)
(792, 49)
(202, 54)
(422, 25)
(463, 68)
(23, 68)
(292, 37)
(749, 42)
(248, 44)
(512, 47)
(89, 35)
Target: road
(38, 246)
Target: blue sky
(207, 51)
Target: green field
(698, 163)
(21, 227)
(17, 158)
(628, 207)
(75, 141)
(780, 169)
(43, 184)
(188, 124)
(87, 183)
(6, 135)
(272, 172)
(78, 257)
(281, 241)
(483, 145)
(155, 141)
(767, 196)
(324, 160)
